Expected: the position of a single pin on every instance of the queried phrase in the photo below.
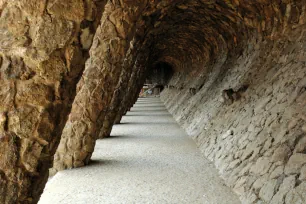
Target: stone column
(136, 80)
(120, 92)
(123, 105)
(43, 49)
(99, 83)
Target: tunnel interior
(160, 75)
(70, 70)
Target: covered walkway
(147, 159)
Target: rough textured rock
(41, 60)
(295, 163)
(121, 89)
(297, 195)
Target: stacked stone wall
(255, 136)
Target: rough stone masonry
(69, 70)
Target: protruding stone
(227, 134)
(281, 154)
(278, 171)
(295, 163)
(268, 190)
(262, 166)
(287, 185)
(261, 105)
(301, 146)
(259, 183)
(34, 94)
(297, 195)
(49, 34)
(70, 9)
(292, 124)
(303, 174)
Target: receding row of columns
(35, 108)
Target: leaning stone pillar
(135, 81)
(136, 88)
(123, 105)
(121, 90)
(43, 49)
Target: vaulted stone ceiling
(89, 58)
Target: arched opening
(160, 74)
(157, 78)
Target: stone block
(34, 94)
(303, 174)
(268, 190)
(297, 195)
(301, 146)
(287, 185)
(49, 34)
(278, 171)
(281, 154)
(73, 10)
(261, 166)
(295, 163)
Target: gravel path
(147, 159)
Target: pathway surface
(147, 159)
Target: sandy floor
(147, 159)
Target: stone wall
(248, 116)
